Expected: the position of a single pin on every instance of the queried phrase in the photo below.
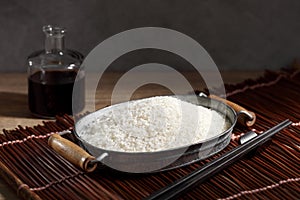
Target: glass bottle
(52, 73)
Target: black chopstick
(216, 165)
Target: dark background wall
(238, 34)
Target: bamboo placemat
(35, 171)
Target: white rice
(153, 124)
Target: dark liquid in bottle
(50, 93)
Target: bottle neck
(54, 43)
(54, 38)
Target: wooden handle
(245, 117)
(73, 153)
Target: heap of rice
(153, 124)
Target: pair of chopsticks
(216, 165)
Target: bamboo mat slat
(35, 171)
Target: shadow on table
(14, 105)
(6, 192)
